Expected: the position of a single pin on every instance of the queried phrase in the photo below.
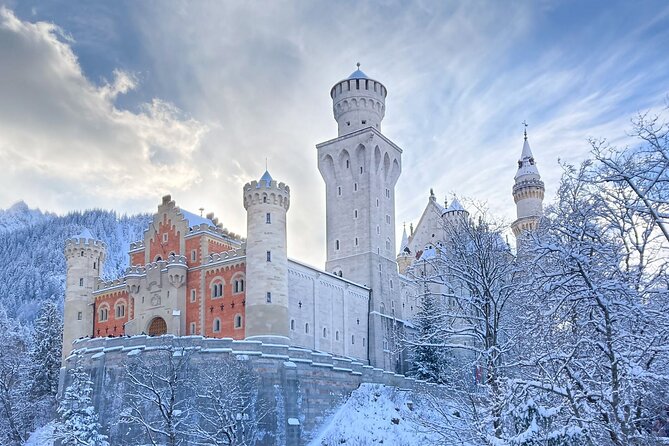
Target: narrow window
(192, 328)
(352, 339)
(361, 169)
(391, 284)
(356, 241)
(193, 255)
(81, 282)
(377, 202)
(388, 219)
(363, 342)
(268, 297)
(339, 190)
(292, 324)
(269, 256)
(306, 328)
(355, 213)
(165, 238)
(95, 265)
(378, 229)
(336, 245)
(268, 218)
(217, 325)
(355, 187)
(325, 332)
(337, 335)
(192, 295)
(348, 164)
(80, 316)
(387, 193)
(238, 321)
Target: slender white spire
(527, 168)
(405, 242)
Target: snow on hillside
(20, 216)
(32, 263)
(376, 414)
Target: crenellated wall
(303, 387)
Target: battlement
(140, 270)
(233, 253)
(528, 189)
(176, 260)
(102, 286)
(136, 246)
(74, 246)
(261, 192)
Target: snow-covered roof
(526, 163)
(454, 206)
(195, 220)
(267, 178)
(404, 246)
(85, 234)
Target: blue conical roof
(267, 178)
(358, 74)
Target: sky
(114, 104)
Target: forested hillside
(32, 264)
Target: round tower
(358, 102)
(266, 203)
(85, 257)
(528, 193)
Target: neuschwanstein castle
(190, 277)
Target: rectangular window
(192, 295)
(269, 297)
(355, 187)
(165, 236)
(388, 219)
(81, 282)
(193, 255)
(80, 316)
(339, 190)
(268, 218)
(192, 328)
(387, 193)
(269, 256)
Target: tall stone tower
(266, 203)
(360, 168)
(85, 256)
(528, 193)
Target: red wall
(112, 326)
(232, 304)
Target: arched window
(238, 321)
(216, 289)
(217, 325)
(120, 309)
(103, 313)
(82, 253)
(238, 284)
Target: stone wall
(302, 387)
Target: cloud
(64, 139)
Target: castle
(190, 277)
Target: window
(377, 202)
(238, 321)
(95, 265)
(325, 332)
(306, 328)
(268, 218)
(239, 285)
(120, 310)
(378, 229)
(364, 122)
(193, 295)
(292, 324)
(348, 122)
(357, 321)
(80, 316)
(388, 245)
(363, 342)
(355, 187)
(336, 245)
(217, 289)
(355, 213)
(387, 193)
(387, 219)
(337, 335)
(103, 314)
(82, 253)
(268, 297)
(192, 328)
(217, 325)
(348, 164)
(193, 255)
(352, 339)
(339, 190)
(165, 237)
(269, 256)
(391, 284)
(361, 169)
(264, 199)
(81, 282)
(356, 241)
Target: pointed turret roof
(527, 167)
(404, 246)
(266, 178)
(85, 234)
(455, 206)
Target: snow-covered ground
(41, 437)
(376, 414)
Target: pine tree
(45, 353)
(78, 421)
(429, 358)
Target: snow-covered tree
(428, 355)
(78, 422)
(45, 358)
(161, 394)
